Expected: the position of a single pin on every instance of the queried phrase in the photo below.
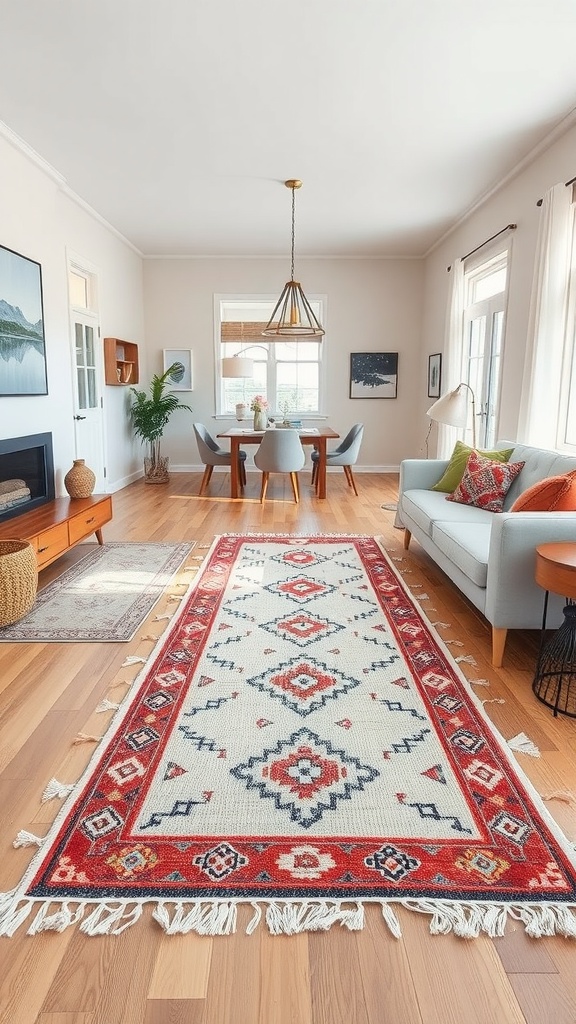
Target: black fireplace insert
(26, 474)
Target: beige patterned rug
(103, 597)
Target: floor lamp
(452, 409)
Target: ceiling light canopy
(293, 316)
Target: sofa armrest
(512, 595)
(420, 473)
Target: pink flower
(258, 403)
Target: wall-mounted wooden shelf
(121, 366)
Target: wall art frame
(183, 378)
(434, 375)
(373, 374)
(23, 368)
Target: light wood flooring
(48, 693)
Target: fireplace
(26, 474)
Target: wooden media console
(58, 525)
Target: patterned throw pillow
(554, 494)
(454, 471)
(485, 483)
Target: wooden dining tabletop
(317, 436)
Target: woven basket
(18, 580)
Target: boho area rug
(301, 741)
(105, 596)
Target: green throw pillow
(454, 471)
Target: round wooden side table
(555, 678)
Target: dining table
(316, 436)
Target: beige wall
(372, 305)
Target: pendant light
(293, 316)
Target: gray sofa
(489, 555)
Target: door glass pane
(79, 338)
(491, 284)
(92, 399)
(80, 376)
(90, 359)
(78, 290)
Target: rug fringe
(292, 918)
(57, 789)
(466, 920)
(25, 838)
(524, 745)
(217, 918)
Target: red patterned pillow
(485, 483)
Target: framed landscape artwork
(181, 359)
(22, 342)
(434, 375)
(373, 374)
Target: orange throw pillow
(554, 494)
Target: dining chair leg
(242, 472)
(295, 488)
(264, 487)
(350, 478)
(314, 473)
(206, 479)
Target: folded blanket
(13, 498)
(11, 485)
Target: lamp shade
(451, 408)
(237, 366)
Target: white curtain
(452, 359)
(547, 321)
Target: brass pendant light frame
(293, 316)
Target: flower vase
(80, 480)
(260, 419)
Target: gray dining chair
(345, 455)
(280, 451)
(212, 455)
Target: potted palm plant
(150, 412)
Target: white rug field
(103, 597)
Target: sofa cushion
(485, 482)
(426, 507)
(467, 545)
(554, 494)
(454, 471)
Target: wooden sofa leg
(498, 644)
(407, 536)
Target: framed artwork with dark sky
(373, 374)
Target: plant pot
(79, 480)
(156, 471)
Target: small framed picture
(181, 378)
(373, 374)
(434, 375)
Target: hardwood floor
(48, 694)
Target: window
(484, 316)
(288, 373)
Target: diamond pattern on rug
(305, 776)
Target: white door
(88, 405)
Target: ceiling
(178, 120)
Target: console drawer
(91, 519)
(51, 543)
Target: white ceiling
(178, 120)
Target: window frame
(271, 300)
(480, 268)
